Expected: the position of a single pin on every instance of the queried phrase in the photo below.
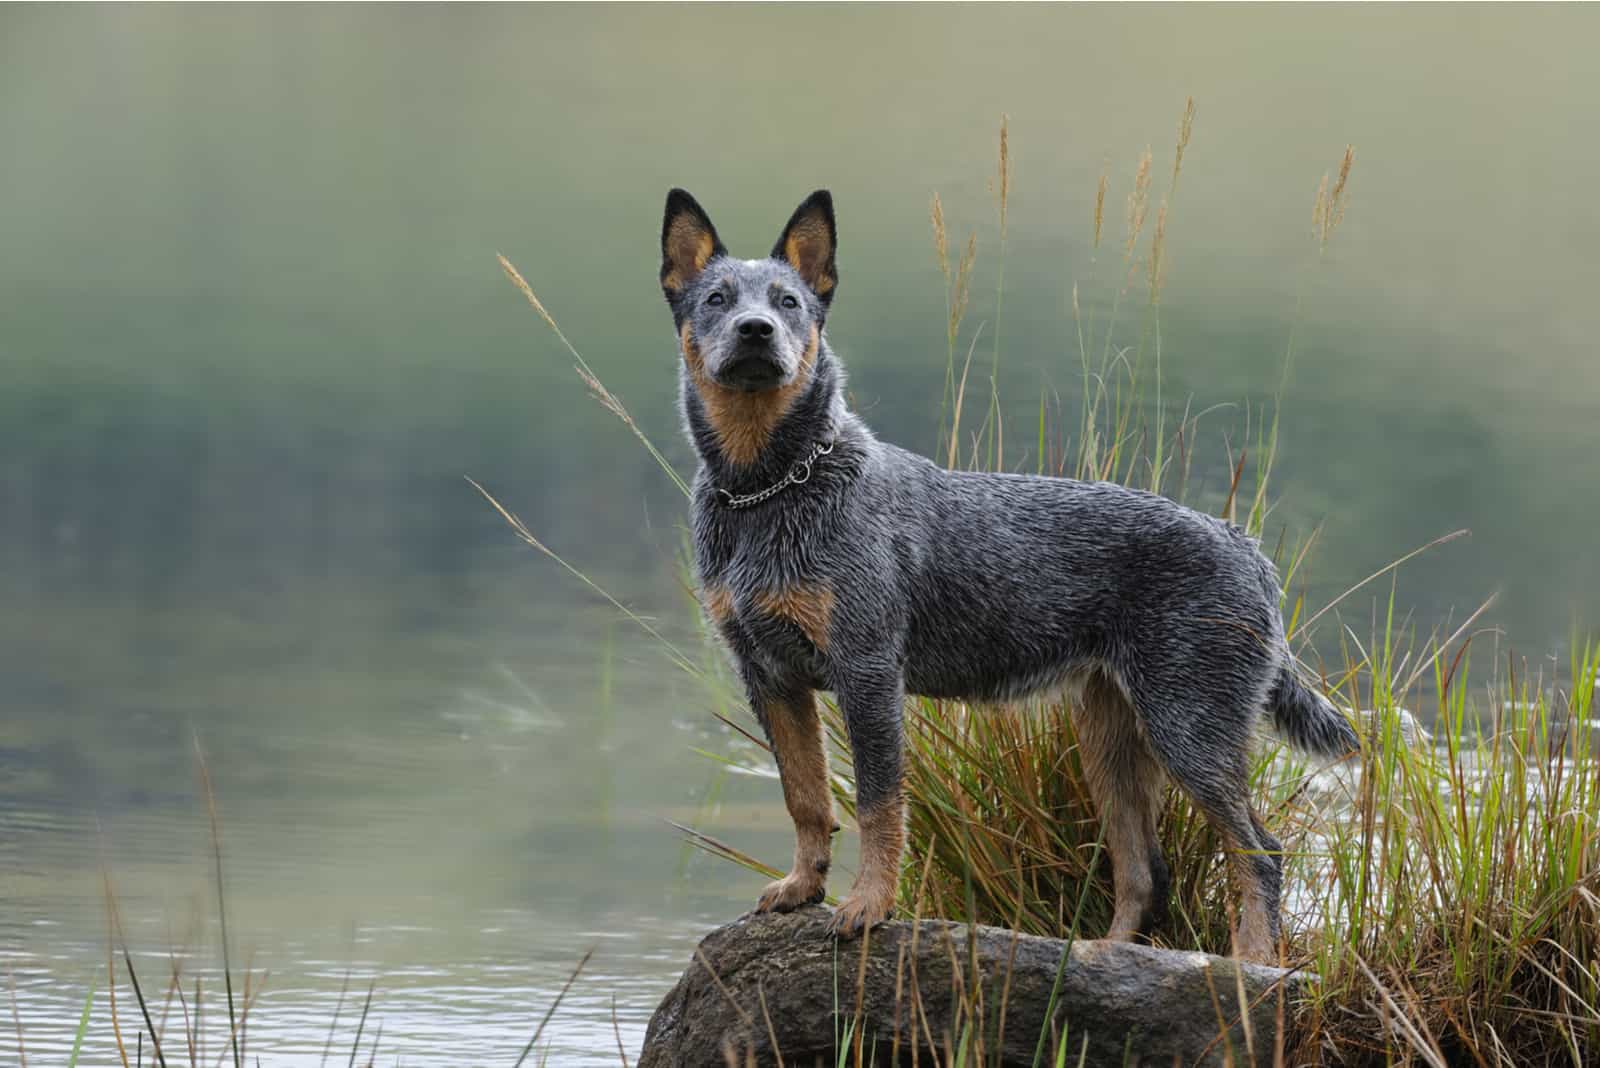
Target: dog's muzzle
(751, 371)
(753, 365)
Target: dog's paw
(791, 892)
(861, 910)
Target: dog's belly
(996, 665)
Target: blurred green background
(252, 335)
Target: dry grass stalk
(111, 985)
(1003, 175)
(941, 239)
(527, 291)
(551, 1011)
(1138, 203)
(1185, 128)
(1344, 177)
(590, 379)
(1158, 263)
(607, 399)
(1100, 202)
(960, 400)
(766, 1016)
(962, 291)
(678, 657)
(616, 1029)
(188, 1032)
(1327, 211)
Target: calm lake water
(252, 335)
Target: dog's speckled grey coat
(966, 585)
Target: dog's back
(1014, 583)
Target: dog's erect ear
(808, 242)
(688, 243)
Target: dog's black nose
(755, 328)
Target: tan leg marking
(796, 735)
(1252, 934)
(883, 839)
(1125, 782)
(808, 605)
(744, 421)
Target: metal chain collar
(800, 472)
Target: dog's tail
(1308, 719)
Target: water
(252, 336)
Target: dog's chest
(765, 591)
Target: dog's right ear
(688, 243)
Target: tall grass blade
(133, 977)
(333, 1025)
(679, 658)
(616, 1029)
(16, 1019)
(222, 904)
(551, 1011)
(83, 1028)
(361, 1025)
(1388, 568)
(1061, 965)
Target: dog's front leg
(795, 732)
(872, 714)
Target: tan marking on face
(691, 352)
(743, 422)
(688, 250)
(807, 248)
(808, 605)
(797, 744)
(717, 600)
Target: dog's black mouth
(751, 372)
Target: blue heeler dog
(828, 560)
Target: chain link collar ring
(799, 473)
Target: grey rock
(785, 980)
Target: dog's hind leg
(792, 726)
(1125, 781)
(1209, 760)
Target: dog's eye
(716, 298)
(790, 302)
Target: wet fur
(884, 574)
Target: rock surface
(784, 980)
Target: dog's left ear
(808, 244)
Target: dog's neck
(733, 459)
